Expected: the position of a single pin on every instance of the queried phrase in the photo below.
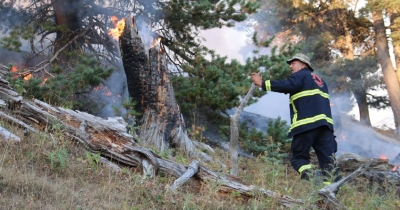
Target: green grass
(54, 172)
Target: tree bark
(361, 99)
(396, 47)
(161, 121)
(389, 74)
(67, 15)
(110, 139)
(234, 126)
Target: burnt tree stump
(162, 124)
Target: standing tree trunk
(234, 142)
(396, 46)
(361, 99)
(161, 121)
(388, 70)
(67, 19)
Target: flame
(119, 26)
(13, 69)
(156, 42)
(383, 157)
(395, 168)
(44, 81)
(97, 88)
(27, 76)
(331, 104)
(108, 93)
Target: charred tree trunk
(361, 99)
(66, 15)
(110, 139)
(161, 122)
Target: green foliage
(359, 75)
(214, 84)
(273, 144)
(277, 141)
(58, 158)
(93, 159)
(219, 85)
(61, 89)
(253, 140)
(12, 42)
(278, 130)
(129, 104)
(18, 84)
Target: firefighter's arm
(291, 84)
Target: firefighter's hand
(256, 78)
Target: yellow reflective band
(304, 167)
(308, 93)
(327, 183)
(311, 120)
(267, 85)
(294, 111)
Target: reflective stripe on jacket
(309, 100)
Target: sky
(229, 42)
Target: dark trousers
(325, 146)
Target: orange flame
(156, 42)
(119, 27)
(44, 81)
(27, 76)
(13, 69)
(395, 168)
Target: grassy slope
(52, 172)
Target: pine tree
(332, 33)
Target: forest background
(349, 47)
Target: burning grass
(50, 171)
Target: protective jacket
(309, 100)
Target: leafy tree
(382, 49)
(331, 32)
(88, 22)
(277, 142)
(273, 142)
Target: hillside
(52, 171)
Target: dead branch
(109, 137)
(328, 192)
(192, 169)
(7, 135)
(48, 62)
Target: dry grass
(53, 172)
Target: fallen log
(328, 193)
(7, 135)
(110, 138)
(379, 170)
(374, 169)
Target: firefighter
(310, 113)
